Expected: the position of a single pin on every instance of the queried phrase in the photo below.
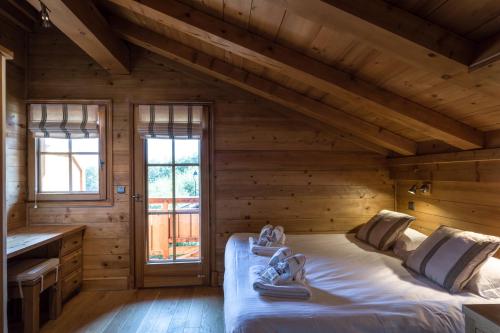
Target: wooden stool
(27, 279)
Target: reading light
(44, 15)
(413, 189)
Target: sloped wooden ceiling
(475, 20)
(337, 68)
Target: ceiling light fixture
(44, 15)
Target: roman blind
(170, 120)
(64, 120)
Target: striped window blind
(170, 120)
(64, 120)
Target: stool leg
(55, 300)
(31, 308)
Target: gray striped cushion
(450, 257)
(383, 229)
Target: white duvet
(355, 288)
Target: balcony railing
(162, 235)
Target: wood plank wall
(274, 170)
(464, 195)
(15, 38)
(268, 166)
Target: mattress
(355, 288)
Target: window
(68, 165)
(69, 152)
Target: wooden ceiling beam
(306, 69)
(82, 22)
(479, 155)
(406, 37)
(294, 115)
(388, 28)
(223, 71)
(488, 54)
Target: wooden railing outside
(161, 229)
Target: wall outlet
(411, 205)
(120, 189)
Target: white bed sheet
(354, 289)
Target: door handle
(136, 197)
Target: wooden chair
(27, 280)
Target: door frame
(5, 54)
(137, 232)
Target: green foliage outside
(160, 181)
(91, 180)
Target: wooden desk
(25, 239)
(56, 241)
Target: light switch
(121, 189)
(411, 205)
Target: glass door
(171, 207)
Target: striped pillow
(450, 257)
(383, 229)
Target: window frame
(105, 195)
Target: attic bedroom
(250, 166)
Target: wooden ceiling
(393, 76)
(475, 20)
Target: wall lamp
(44, 15)
(425, 188)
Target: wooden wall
(464, 195)
(15, 39)
(269, 167)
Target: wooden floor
(185, 310)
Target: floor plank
(183, 310)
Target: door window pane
(160, 237)
(54, 173)
(85, 145)
(187, 183)
(159, 151)
(51, 145)
(85, 173)
(187, 151)
(160, 194)
(187, 246)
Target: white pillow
(451, 257)
(408, 242)
(384, 228)
(486, 283)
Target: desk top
(22, 240)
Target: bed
(355, 288)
